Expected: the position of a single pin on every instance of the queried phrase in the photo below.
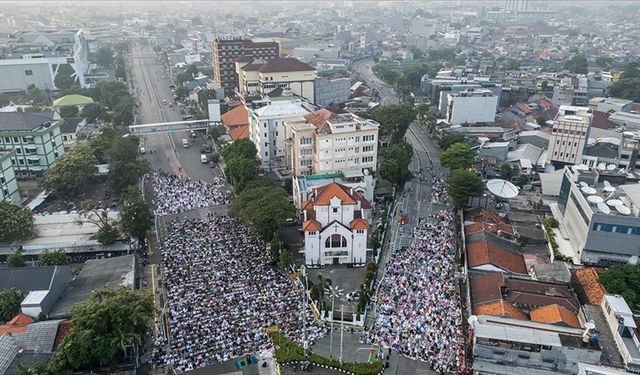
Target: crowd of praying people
(175, 194)
(418, 305)
(223, 293)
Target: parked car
(185, 143)
(204, 159)
(206, 149)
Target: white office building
(569, 134)
(471, 106)
(267, 129)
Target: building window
(368, 138)
(360, 231)
(367, 159)
(266, 144)
(305, 141)
(335, 210)
(367, 149)
(266, 153)
(20, 161)
(28, 72)
(336, 240)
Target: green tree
(182, 92)
(285, 260)
(577, 64)
(215, 131)
(98, 216)
(239, 171)
(521, 179)
(395, 120)
(15, 259)
(35, 96)
(16, 222)
(544, 85)
(242, 148)
(628, 84)
(395, 167)
(4, 99)
(463, 184)
(625, 281)
(64, 79)
(512, 65)
(192, 70)
(68, 111)
(417, 52)
(103, 328)
(506, 171)
(10, 300)
(449, 140)
(71, 172)
(53, 258)
(136, 216)
(102, 143)
(458, 156)
(125, 168)
(108, 234)
(541, 121)
(183, 77)
(204, 96)
(104, 56)
(264, 206)
(93, 112)
(33, 369)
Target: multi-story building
(471, 106)
(569, 135)
(600, 104)
(8, 183)
(507, 346)
(620, 319)
(325, 142)
(329, 91)
(267, 130)
(36, 139)
(599, 211)
(571, 91)
(288, 75)
(225, 53)
(34, 58)
(335, 226)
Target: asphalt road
(364, 68)
(151, 80)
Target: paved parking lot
(347, 279)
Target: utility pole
(333, 300)
(341, 330)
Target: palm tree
(323, 282)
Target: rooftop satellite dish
(589, 325)
(588, 190)
(502, 188)
(582, 167)
(605, 182)
(583, 184)
(611, 167)
(604, 208)
(601, 166)
(609, 189)
(624, 210)
(595, 199)
(614, 202)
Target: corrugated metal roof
(517, 334)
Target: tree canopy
(103, 327)
(104, 56)
(10, 300)
(395, 167)
(70, 172)
(450, 139)
(53, 258)
(458, 156)
(91, 212)
(125, 168)
(395, 120)
(15, 259)
(463, 184)
(16, 222)
(625, 281)
(136, 216)
(577, 64)
(64, 79)
(243, 148)
(264, 206)
(628, 85)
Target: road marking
(155, 303)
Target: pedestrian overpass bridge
(170, 127)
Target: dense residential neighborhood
(360, 187)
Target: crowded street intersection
(176, 194)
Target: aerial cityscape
(359, 187)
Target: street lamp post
(334, 292)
